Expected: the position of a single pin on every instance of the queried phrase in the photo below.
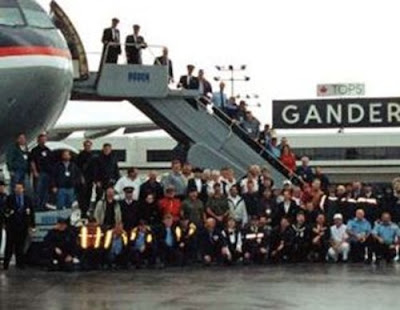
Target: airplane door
(79, 57)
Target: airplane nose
(36, 80)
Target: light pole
(232, 79)
(252, 97)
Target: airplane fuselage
(35, 75)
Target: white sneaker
(50, 207)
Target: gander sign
(333, 113)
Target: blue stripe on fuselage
(30, 36)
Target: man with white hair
(215, 177)
(339, 240)
(253, 174)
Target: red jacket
(170, 206)
(289, 161)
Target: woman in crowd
(288, 158)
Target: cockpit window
(11, 17)
(38, 19)
(35, 15)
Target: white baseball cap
(338, 216)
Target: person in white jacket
(237, 206)
(339, 239)
(133, 180)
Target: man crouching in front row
(60, 246)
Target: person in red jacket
(170, 204)
(288, 158)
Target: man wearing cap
(339, 240)
(60, 245)
(130, 210)
(193, 208)
(189, 81)
(130, 180)
(111, 39)
(134, 44)
(359, 231)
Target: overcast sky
(289, 46)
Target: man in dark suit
(205, 88)
(86, 164)
(189, 81)
(164, 60)
(19, 219)
(199, 184)
(111, 40)
(106, 170)
(151, 186)
(287, 208)
(134, 44)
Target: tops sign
(340, 90)
(333, 113)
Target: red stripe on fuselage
(33, 50)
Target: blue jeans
(65, 198)
(42, 189)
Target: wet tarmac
(273, 287)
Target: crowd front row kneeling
(115, 238)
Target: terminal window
(159, 156)
(350, 153)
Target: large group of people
(190, 215)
